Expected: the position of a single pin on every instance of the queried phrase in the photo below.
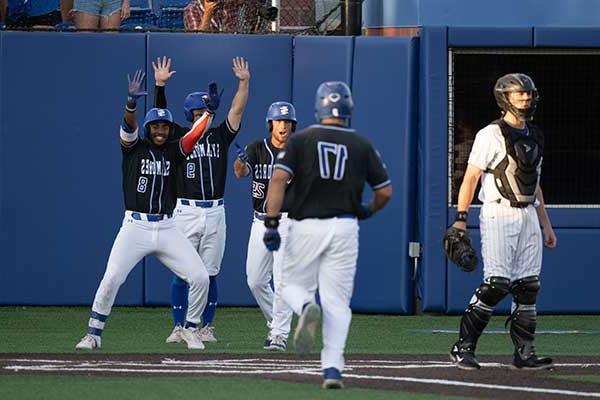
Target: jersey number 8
(142, 184)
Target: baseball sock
(96, 323)
(179, 298)
(208, 315)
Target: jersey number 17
(339, 152)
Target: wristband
(272, 222)
(461, 216)
(131, 104)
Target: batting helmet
(281, 111)
(334, 100)
(157, 114)
(510, 83)
(193, 101)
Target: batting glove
(213, 99)
(241, 153)
(271, 238)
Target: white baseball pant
(323, 253)
(139, 238)
(511, 241)
(261, 265)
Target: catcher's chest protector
(516, 176)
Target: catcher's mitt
(459, 250)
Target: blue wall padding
(459, 36)
(318, 59)
(567, 286)
(384, 90)
(432, 151)
(61, 164)
(566, 37)
(199, 59)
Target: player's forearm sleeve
(127, 135)
(160, 98)
(198, 130)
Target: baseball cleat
(464, 359)
(175, 336)
(304, 336)
(89, 342)
(532, 363)
(332, 379)
(207, 334)
(276, 342)
(267, 343)
(192, 337)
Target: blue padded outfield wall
(61, 102)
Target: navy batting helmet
(157, 114)
(334, 100)
(516, 83)
(193, 101)
(281, 111)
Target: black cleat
(533, 362)
(464, 359)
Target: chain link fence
(310, 17)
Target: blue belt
(351, 216)
(150, 217)
(202, 203)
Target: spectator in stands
(239, 16)
(36, 14)
(100, 14)
(67, 23)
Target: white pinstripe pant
(511, 241)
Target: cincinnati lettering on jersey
(206, 150)
(151, 167)
(263, 171)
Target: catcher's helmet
(193, 101)
(281, 111)
(334, 100)
(157, 114)
(516, 83)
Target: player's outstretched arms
(189, 140)
(162, 71)
(238, 104)
(134, 92)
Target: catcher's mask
(511, 83)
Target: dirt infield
(423, 374)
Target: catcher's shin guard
(479, 312)
(523, 319)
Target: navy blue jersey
(330, 166)
(149, 176)
(261, 159)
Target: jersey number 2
(340, 152)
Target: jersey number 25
(340, 154)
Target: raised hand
(240, 68)
(162, 70)
(135, 85)
(213, 99)
(241, 153)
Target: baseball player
(329, 164)
(262, 265)
(507, 155)
(149, 163)
(200, 211)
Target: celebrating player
(149, 162)
(330, 164)
(261, 264)
(200, 212)
(507, 155)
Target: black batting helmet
(516, 82)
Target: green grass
(580, 378)
(103, 388)
(242, 330)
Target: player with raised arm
(149, 163)
(329, 164)
(507, 156)
(258, 159)
(200, 211)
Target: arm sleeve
(377, 175)
(287, 159)
(160, 97)
(198, 130)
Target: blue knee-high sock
(211, 306)
(179, 300)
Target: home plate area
(423, 374)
